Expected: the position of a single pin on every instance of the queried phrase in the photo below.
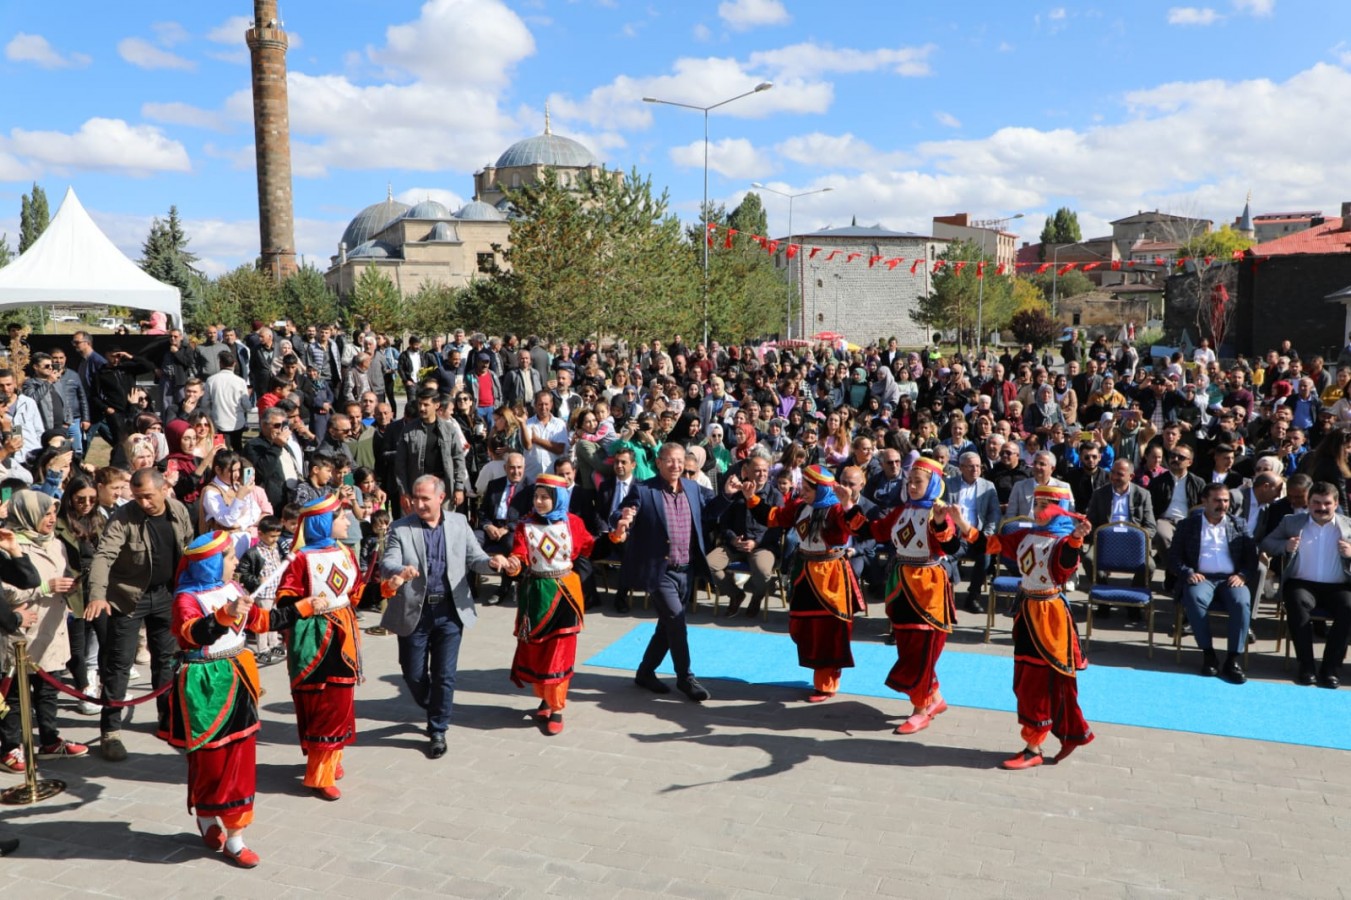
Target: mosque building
(428, 244)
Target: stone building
(429, 244)
(1001, 246)
(860, 301)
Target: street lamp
(986, 226)
(788, 317)
(762, 86)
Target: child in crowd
(259, 563)
(372, 548)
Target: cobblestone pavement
(753, 794)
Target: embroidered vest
(910, 537)
(1034, 562)
(232, 642)
(550, 545)
(332, 575)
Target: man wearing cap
(485, 387)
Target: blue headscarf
(202, 566)
(316, 522)
(824, 483)
(1057, 523)
(562, 495)
(935, 489)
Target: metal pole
(704, 226)
(788, 314)
(1055, 262)
(980, 294)
(32, 790)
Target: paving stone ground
(752, 794)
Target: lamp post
(788, 316)
(986, 226)
(762, 86)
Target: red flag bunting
(1116, 265)
(792, 250)
(851, 257)
(812, 255)
(960, 264)
(1089, 267)
(915, 265)
(772, 247)
(1209, 260)
(710, 240)
(712, 226)
(1000, 269)
(727, 242)
(895, 261)
(1067, 267)
(1131, 264)
(1237, 254)
(873, 260)
(939, 263)
(1158, 260)
(1041, 269)
(980, 269)
(833, 254)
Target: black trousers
(975, 551)
(1301, 598)
(117, 653)
(669, 600)
(44, 716)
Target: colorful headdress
(562, 492)
(1054, 518)
(820, 478)
(316, 522)
(202, 565)
(934, 491)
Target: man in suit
(1174, 493)
(522, 383)
(1020, 497)
(608, 500)
(1214, 559)
(979, 502)
(1296, 500)
(1121, 500)
(1317, 575)
(504, 502)
(428, 557)
(665, 517)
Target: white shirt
(229, 401)
(1318, 558)
(1215, 558)
(1177, 507)
(1121, 506)
(539, 459)
(1253, 515)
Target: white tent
(74, 263)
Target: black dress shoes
(734, 603)
(691, 688)
(1305, 678)
(1233, 672)
(1210, 664)
(622, 606)
(651, 682)
(1332, 682)
(974, 605)
(437, 748)
(754, 609)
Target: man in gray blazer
(1020, 499)
(428, 556)
(979, 502)
(1317, 574)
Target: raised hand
(732, 485)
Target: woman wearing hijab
(696, 460)
(213, 703)
(718, 454)
(919, 591)
(825, 593)
(322, 652)
(183, 460)
(550, 614)
(1046, 652)
(746, 439)
(1043, 413)
(32, 516)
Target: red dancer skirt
(1049, 701)
(917, 650)
(822, 640)
(221, 781)
(549, 662)
(327, 718)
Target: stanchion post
(33, 789)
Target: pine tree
(165, 257)
(250, 292)
(33, 217)
(6, 254)
(306, 299)
(1062, 228)
(376, 301)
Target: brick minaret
(272, 139)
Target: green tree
(432, 309)
(1061, 228)
(306, 299)
(748, 296)
(1034, 326)
(749, 216)
(33, 217)
(376, 300)
(212, 304)
(251, 292)
(1027, 295)
(6, 254)
(165, 256)
(1071, 284)
(1219, 245)
(957, 302)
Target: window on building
(485, 262)
(1077, 318)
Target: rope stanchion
(33, 789)
(115, 704)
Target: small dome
(428, 209)
(478, 211)
(371, 250)
(547, 150)
(371, 220)
(442, 231)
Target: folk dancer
(322, 652)
(1046, 652)
(825, 593)
(550, 612)
(919, 589)
(213, 701)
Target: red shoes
(213, 837)
(819, 697)
(922, 719)
(554, 724)
(245, 858)
(328, 793)
(1023, 759)
(543, 710)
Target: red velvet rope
(115, 704)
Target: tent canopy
(74, 263)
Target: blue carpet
(1260, 711)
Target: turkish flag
(1041, 269)
(1089, 267)
(812, 255)
(980, 269)
(1000, 269)
(833, 254)
(727, 243)
(961, 264)
(895, 261)
(939, 263)
(792, 250)
(873, 260)
(1116, 265)
(851, 257)
(915, 265)
(1067, 267)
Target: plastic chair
(1009, 583)
(1121, 548)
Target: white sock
(205, 822)
(234, 843)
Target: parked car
(65, 318)
(108, 322)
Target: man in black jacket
(743, 539)
(1174, 494)
(276, 468)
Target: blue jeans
(1196, 600)
(76, 434)
(486, 414)
(436, 640)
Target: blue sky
(905, 110)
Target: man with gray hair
(979, 503)
(428, 557)
(1020, 498)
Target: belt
(433, 599)
(677, 568)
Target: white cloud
(36, 49)
(169, 34)
(844, 151)
(449, 199)
(1191, 15)
(744, 14)
(948, 120)
(807, 59)
(1056, 14)
(452, 40)
(730, 157)
(702, 32)
(1259, 8)
(110, 145)
(231, 31)
(184, 114)
(145, 55)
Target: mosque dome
(442, 231)
(371, 250)
(371, 220)
(478, 211)
(428, 209)
(547, 150)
